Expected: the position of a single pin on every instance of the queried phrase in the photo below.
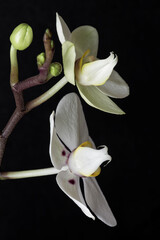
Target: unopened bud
(52, 44)
(55, 69)
(41, 59)
(21, 36)
(48, 32)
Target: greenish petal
(84, 38)
(95, 98)
(115, 86)
(69, 57)
(62, 29)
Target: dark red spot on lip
(63, 153)
(72, 181)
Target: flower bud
(52, 44)
(21, 36)
(55, 69)
(41, 59)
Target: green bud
(21, 36)
(48, 32)
(41, 59)
(55, 69)
(52, 44)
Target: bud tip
(21, 36)
(41, 59)
(55, 69)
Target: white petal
(95, 98)
(69, 184)
(115, 86)
(97, 202)
(96, 72)
(58, 152)
(70, 122)
(85, 38)
(69, 56)
(62, 29)
(84, 161)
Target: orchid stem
(17, 115)
(14, 66)
(45, 96)
(18, 87)
(28, 173)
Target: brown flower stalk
(19, 87)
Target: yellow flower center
(82, 58)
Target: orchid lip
(68, 164)
(85, 161)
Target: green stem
(45, 96)
(30, 173)
(14, 66)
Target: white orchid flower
(96, 80)
(74, 155)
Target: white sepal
(96, 98)
(58, 152)
(84, 38)
(62, 29)
(70, 121)
(69, 56)
(69, 184)
(115, 86)
(97, 202)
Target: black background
(36, 207)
